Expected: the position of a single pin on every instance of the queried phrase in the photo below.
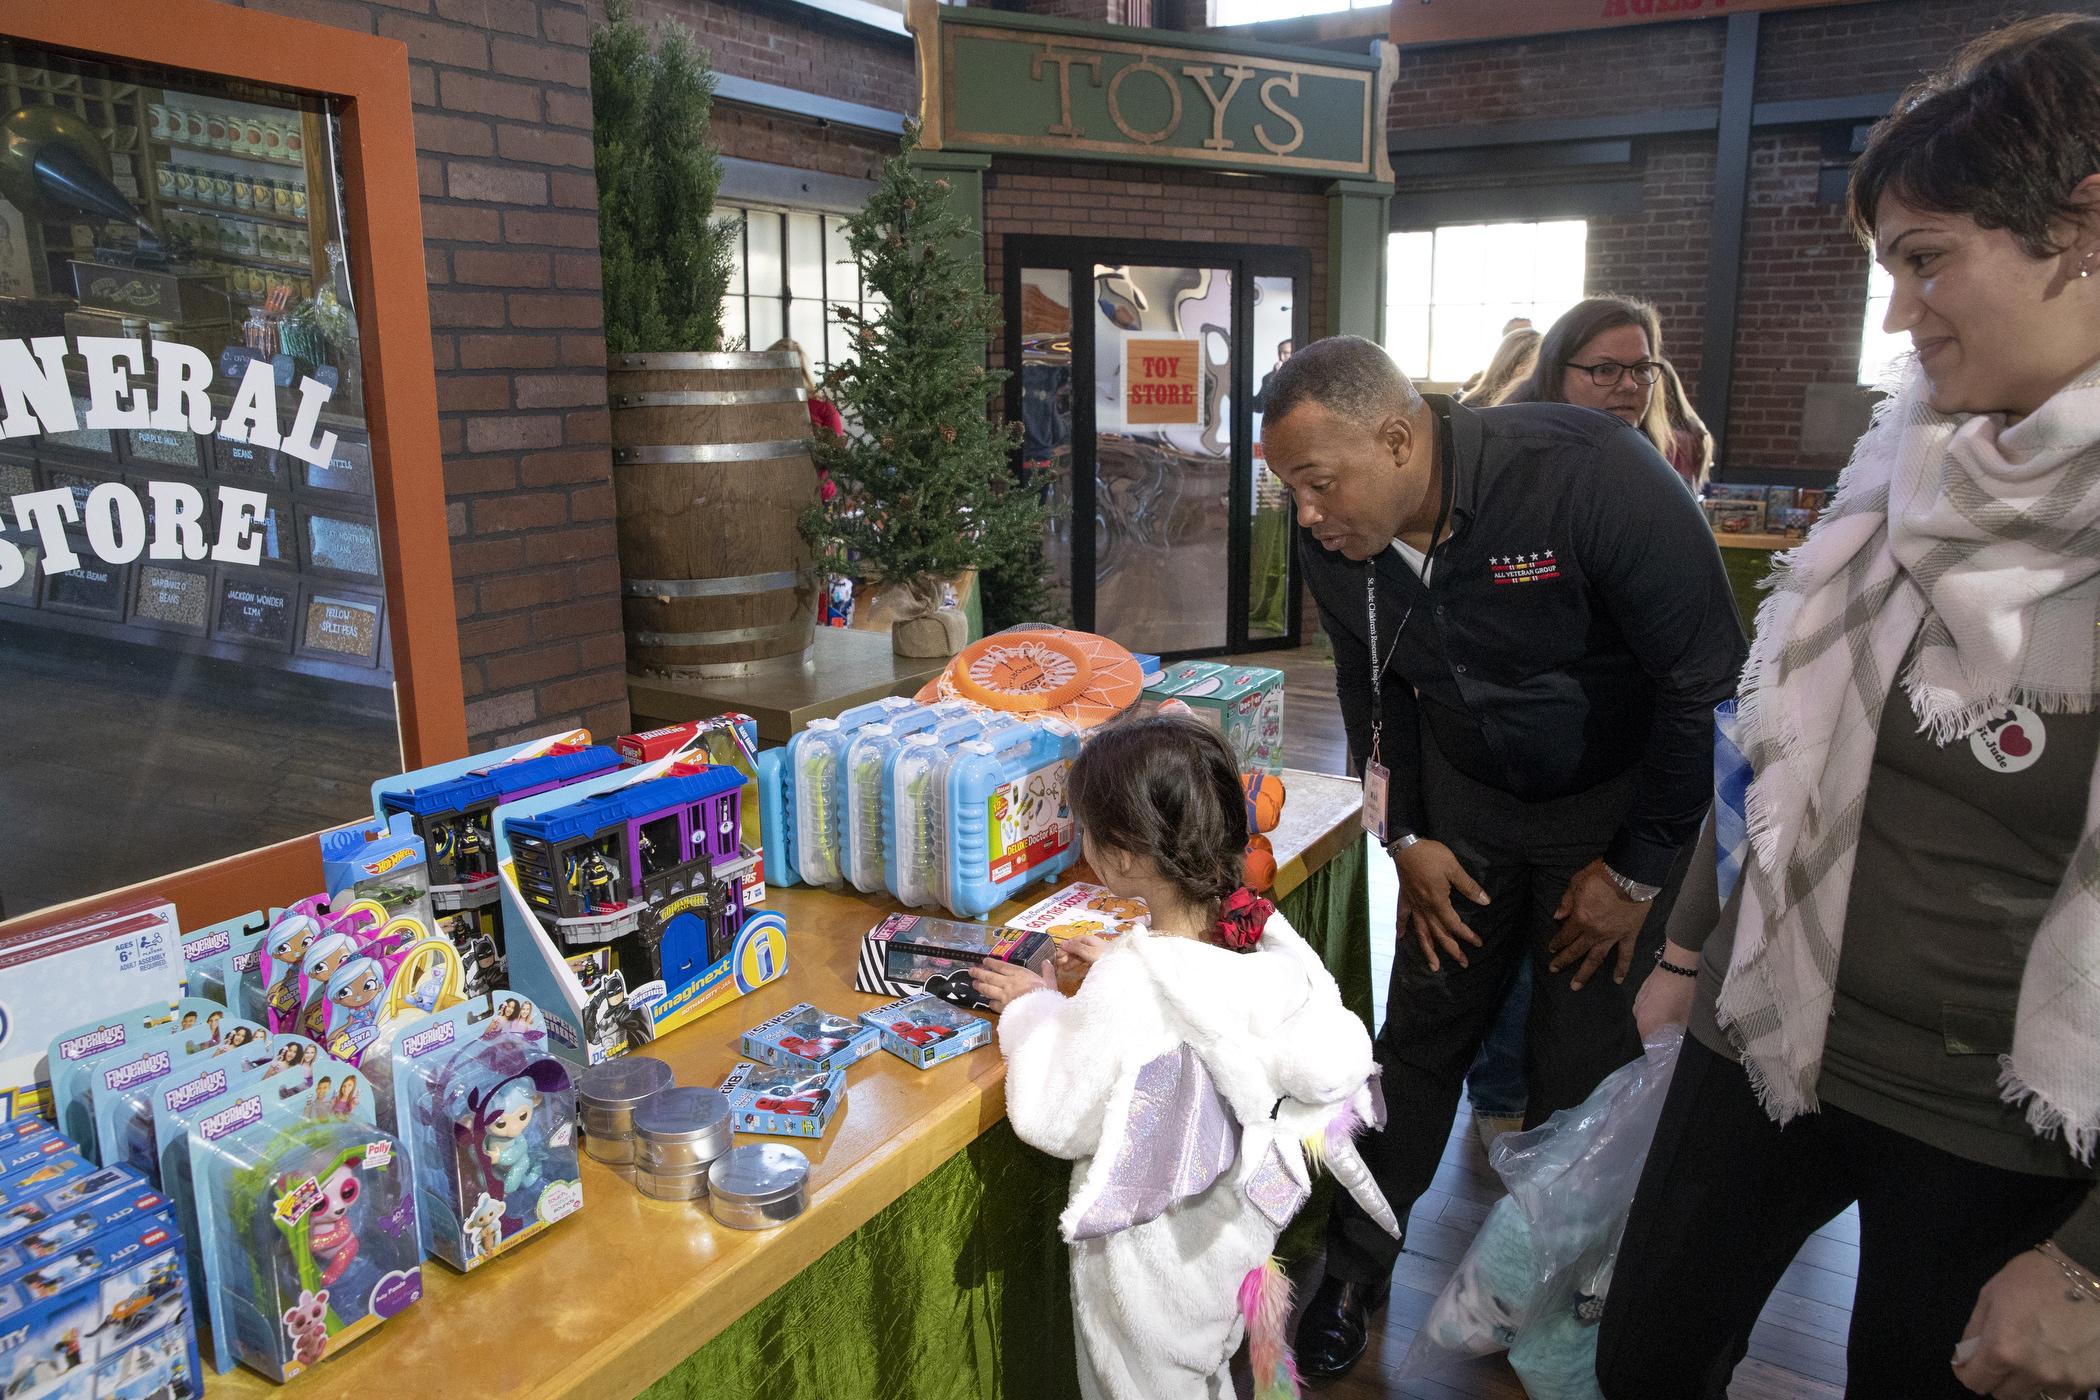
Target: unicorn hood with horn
(1195, 1088)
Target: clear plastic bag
(1534, 1280)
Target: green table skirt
(957, 1290)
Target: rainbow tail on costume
(1265, 1301)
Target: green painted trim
(1158, 38)
(1358, 219)
(951, 160)
(964, 173)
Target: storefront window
(1046, 405)
(193, 624)
(791, 268)
(1449, 291)
(1878, 350)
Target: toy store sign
(1011, 84)
(163, 388)
(1161, 383)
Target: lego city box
(624, 904)
(808, 1041)
(925, 1031)
(116, 1323)
(779, 1103)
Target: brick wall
(1877, 48)
(750, 134)
(503, 127)
(1660, 253)
(1562, 75)
(1082, 199)
(792, 47)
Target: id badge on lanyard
(1375, 776)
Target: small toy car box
(908, 953)
(805, 1040)
(115, 1327)
(783, 1104)
(65, 1234)
(926, 1031)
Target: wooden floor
(1798, 1349)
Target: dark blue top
(1577, 624)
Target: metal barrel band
(736, 670)
(709, 398)
(711, 452)
(714, 359)
(726, 586)
(722, 637)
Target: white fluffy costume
(1182, 1080)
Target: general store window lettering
(193, 629)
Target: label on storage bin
(1030, 823)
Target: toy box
(204, 953)
(48, 1175)
(34, 1212)
(914, 805)
(79, 1054)
(868, 758)
(70, 1231)
(119, 1327)
(452, 806)
(381, 859)
(21, 1155)
(1244, 704)
(624, 907)
(1080, 911)
(812, 788)
(729, 741)
(925, 1031)
(910, 953)
(306, 1214)
(1733, 517)
(85, 970)
(489, 1118)
(1008, 822)
(804, 1040)
(768, 1102)
(125, 1091)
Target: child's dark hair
(1168, 789)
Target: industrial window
(1450, 290)
(1878, 350)
(791, 268)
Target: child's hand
(1081, 952)
(1002, 983)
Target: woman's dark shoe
(1335, 1326)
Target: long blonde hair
(809, 385)
(1513, 360)
(1669, 412)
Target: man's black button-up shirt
(1577, 623)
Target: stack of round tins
(608, 1094)
(758, 1186)
(678, 1134)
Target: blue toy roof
(594, 813)
(497, 783)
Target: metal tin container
(607, 1095)
(681, 1130)
(671, 1183)
(758, 1186)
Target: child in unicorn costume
(1205, 1067)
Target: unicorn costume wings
(1186, 1083)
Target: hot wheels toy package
(763, 1100)
(307, 1215)
(805, 1040)
(489, 1116)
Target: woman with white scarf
(1900, 1003)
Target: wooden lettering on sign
(1161, 383)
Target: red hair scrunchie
(1241, 919)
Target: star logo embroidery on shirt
(1534, 566)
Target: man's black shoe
(1335, 1326)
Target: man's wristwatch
(1400, 843)
(1632, 888)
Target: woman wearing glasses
(1602, 354)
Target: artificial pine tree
(667, 261)
(926, 485)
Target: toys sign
(1162, 382)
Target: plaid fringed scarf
(1976, 542)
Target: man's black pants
(1523, 854)
(1728, 1197)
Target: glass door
(1136, 374)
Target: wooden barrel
(712, 472)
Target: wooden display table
(1748, 559)
(607, 1302)
(846, 668)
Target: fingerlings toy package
(204, 953)
(307, 1218)
(804, 1040)
(125, 1090)
(488, 1114)
(78, 1055)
